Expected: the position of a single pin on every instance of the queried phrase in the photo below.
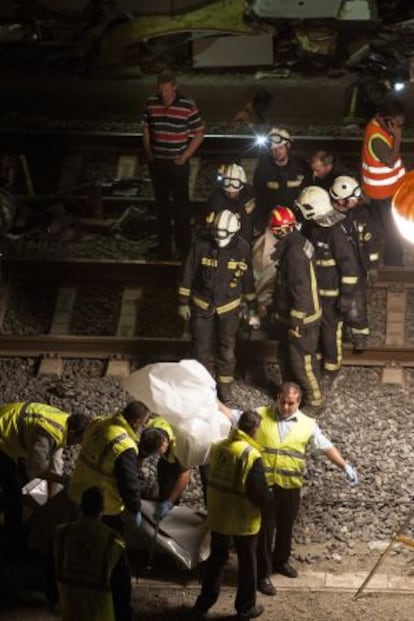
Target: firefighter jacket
(284, 460)
(230, 511)
(379, 181)
(361, 233)
(86, 553)
(244, 204)
(279, 185)
(21, 423)
(295, 294)
(160, 423)
(217, 280)
(106, 440)
(336, 265)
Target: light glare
(261, 140)
(404, 226)
(399, 86)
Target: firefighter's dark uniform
(297, 314)
(215, 282)
(278, 185)
(360, 231)
(244, 204)
(337, 275)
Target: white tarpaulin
(184, 393)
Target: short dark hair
(135, 410)
(150, 441)
(92, 501)
(77, 424)
(391, 108)
(249, 421)
(167, 76)
(325, 157)
(286, 386)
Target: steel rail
(167, 349)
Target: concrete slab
(63, 311)
(393, 375)
(50, 366)
(118, 368)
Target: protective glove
(253, 320)
(162, 510)
(132, 520)
(351, 474)
(184, 312)
(372, 277)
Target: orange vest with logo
(379, 180)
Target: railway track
(129, 340)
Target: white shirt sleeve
(319, 441)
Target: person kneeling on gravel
(284, 435)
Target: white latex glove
(351, 474)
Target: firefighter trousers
(207, 329)
(298, 361)
(330, 341)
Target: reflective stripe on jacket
(104, 441)
(378, 179)
(284, 460)
(230, 512)
(18, 424)
(86, 552)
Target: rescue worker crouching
(295, 312)
(32, 438)
(109, 459)
(236, 195)
(217, 277)
(346, 196)
(336, 271)
(159, 438)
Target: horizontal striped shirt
(171, 127)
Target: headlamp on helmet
(226, 224)
(282, 221)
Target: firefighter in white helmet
(280, 175)
(336, 272)
(217, 278)
(236, 195)
(295, 311)
(347, 197)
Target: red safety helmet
(282, 220)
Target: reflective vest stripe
(379, 169)
(280, 451)
(382, 182)
(24, 414)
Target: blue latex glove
(351, 474)
(132, 520)
(162, 510)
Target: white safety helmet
(315, 204)
(233, 177)
(278, 137)
(345, 187)
(226, 224)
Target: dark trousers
(11, 486)
(357, 317)
(246, 547)
(280, 516)
(380, 210)
(205, 329)
(298, 362)
(172, 203)
(330, 340)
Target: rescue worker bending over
(325, 168)
(217, 277)
(32, 438)
(336, 272)
(109, 458)
(159, 438)
(237, 496)
(295, 312)
(236, 195)
(279, 176)
(91, 568)
(346, 196)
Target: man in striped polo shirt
(173, 131)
